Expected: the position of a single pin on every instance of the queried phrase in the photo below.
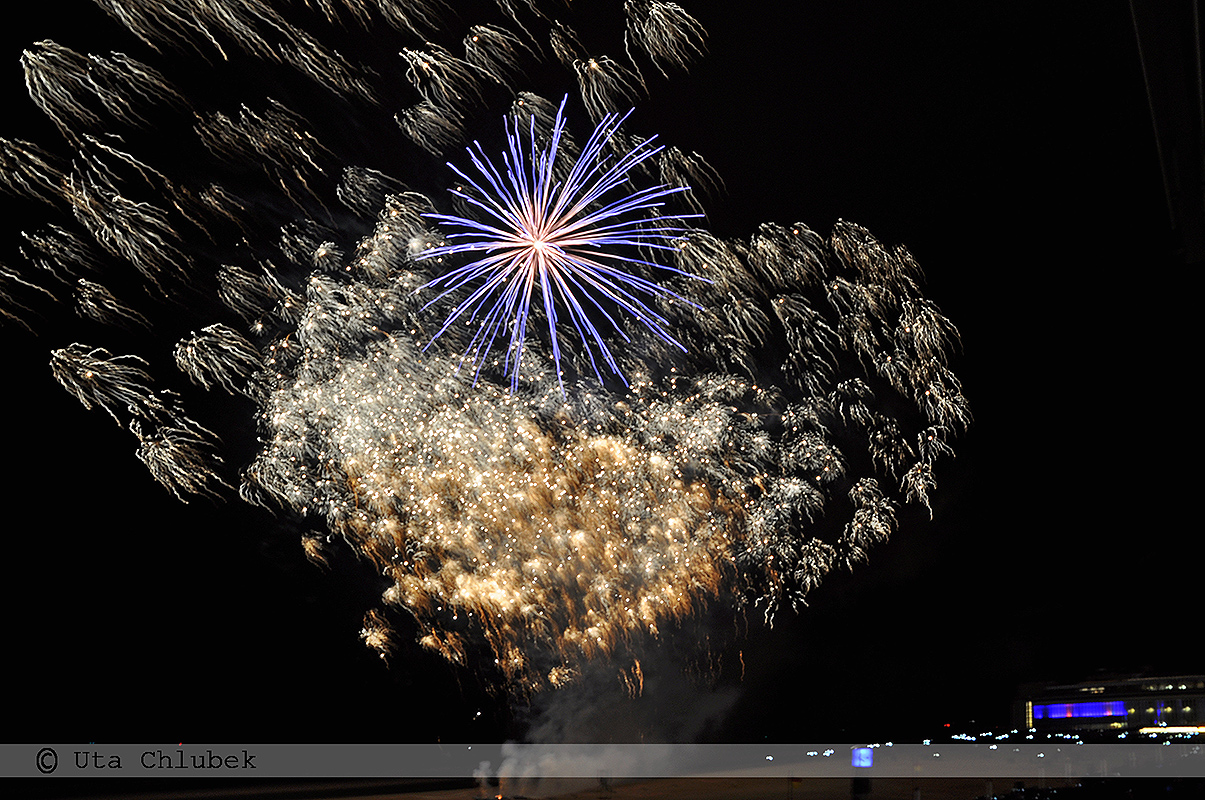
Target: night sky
(1009, 146)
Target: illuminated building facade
(1126, 704)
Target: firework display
(560, 232)
(557, 415)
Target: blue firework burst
(577, 238)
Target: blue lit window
(1112, 708)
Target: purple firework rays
(578, 238)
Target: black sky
(1008, 145)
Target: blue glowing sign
(863, 757)
(1110, 708)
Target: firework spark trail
(605, 85)
(432, 128)
(181, 458)
(63, 83)
(776, 413)
(26, 171)
(495, 52)
(95, 301)
(218, 356)
(250, 25)
(665, 32)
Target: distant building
(1118, 704)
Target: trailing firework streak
(559, 417)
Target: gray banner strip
(509, 761)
